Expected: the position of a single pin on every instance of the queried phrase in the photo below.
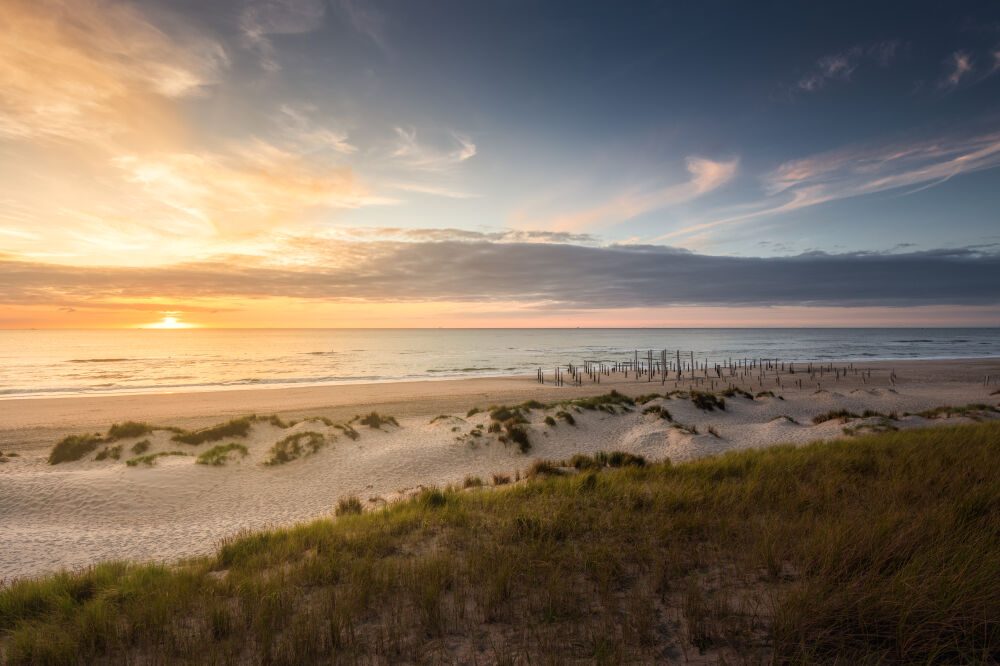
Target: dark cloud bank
(556, 274)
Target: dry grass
(219, 455)
(881, 549)
(295, 446)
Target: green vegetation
(845, 415)
(74, 447)
(881, 549)
(293, 447)
(440, 417)
(606, 402)
(128, 429)
(473, 412)
(235, 428)
(348, 506)
(219, 454)
(543, 468)
(113, 452)
(500, 479)
(348, 431)
(707, 401)
(549, 421)
(842, 414)
(646, 397)
(689, 429)
(972, 411)
(566, 416)
(734, 391)
(150, 459)
(376, 420)
(472, 482)
(768, 394)
(140, 447)
(603, 459)
(662, 412)
(867, 428)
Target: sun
(169, 321)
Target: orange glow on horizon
(170, 321)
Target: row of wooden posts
(675, 367)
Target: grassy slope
(885, 548)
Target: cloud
(542, 274)
(304, 133)
(278, 17)
(254, 186)
(410, 152)
(367, 20)
(92, 69)
(705, 175)
(960, 65)
(841, 66)
(859, 170)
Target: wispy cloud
(705, 175)
(960, 67)
(859, 170)
(262, 18)
(451, 151)
(91, 70)
(841, 66)
(544, 274)
(252, 187)
(298, 126)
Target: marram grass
(880, 549)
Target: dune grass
(150, 459)
(376, 420)
(219, 454)
(972, 411)
(234, 428)
(112, 452)
(74, 447)
(295, 446)
(348, 506)
(884, 548)
(128, 429)
(707, 401)
(141, 446)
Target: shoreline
(99, 506)
(26, 394)
(40, 421)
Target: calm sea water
(49, 363)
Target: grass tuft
(707, 401)
(74, 447)
(376, 420)
(141, 447)
(113, 452)
(219, 454)
(150, 459)
(127, 430)
(293, 447)
(348, 506)
(235, 428)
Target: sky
(505, 163)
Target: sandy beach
(76, 513)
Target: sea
(40, 363)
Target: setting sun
(170, 321)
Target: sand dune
(76, 513)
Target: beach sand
(77, 513)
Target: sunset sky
(349, 163)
